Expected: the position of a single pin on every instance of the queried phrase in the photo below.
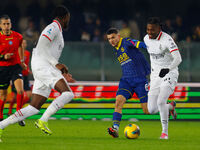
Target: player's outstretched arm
(137, 44)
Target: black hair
(112, 30)
(154, 20)
(60, 11)
(4, 17)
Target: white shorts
(45, 78)
(169, 80)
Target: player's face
(66, 22)
(113, 39)
(153, 30)
(5, 25)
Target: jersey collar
(119, 44)
(4, 34)
(58, 23)
(159, 36)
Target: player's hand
(68, 77)
(23, 65)
(163, 72)
(62, 68)
(8, 56)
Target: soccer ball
(132, 131)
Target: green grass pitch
(92, 135)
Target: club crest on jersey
(49, 31)
(10, 42)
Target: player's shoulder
(166, 37)
(52, 27)
(146, 37)
(17, 34)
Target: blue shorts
(127, 87)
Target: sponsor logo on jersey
(157, 56)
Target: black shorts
(26, 83)
(8, 73)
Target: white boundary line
(110, 83)
(115, 83)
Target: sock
(1, 108)
(116, 119)
(57, 104)
(11, 106)
(164, 108)
(20, 98)
(26, 98)
(19, 116)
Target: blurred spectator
(125, 31)
(168, 28)
(135, 31)
(97, 36)
(31, 34)
(85, 36)
(89, 26)
(180, 28)
(196, 34)
(34, 11)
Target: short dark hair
(4, 17)
(154, 20)
(112, 30)
(60, 11)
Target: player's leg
(32, 109)
(123, 93)
(27, 90)
(141, 91)
(65, 97)
(3, 96)
(13, 101)
(20, 96)
(165, 92)
(117, 115)
(20, 93)
(152, 100)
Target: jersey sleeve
(171, 45)
(50, 32)
(136, 43)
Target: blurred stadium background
(90, 58)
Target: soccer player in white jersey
(165, 58)
(48, 74)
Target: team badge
(10, 42)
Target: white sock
(164, 108)
(57, 104)
(19, 116)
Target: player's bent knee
(68, 96)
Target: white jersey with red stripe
(50, 44)
(160, 50)
(44, 59)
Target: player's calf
(173, 111)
